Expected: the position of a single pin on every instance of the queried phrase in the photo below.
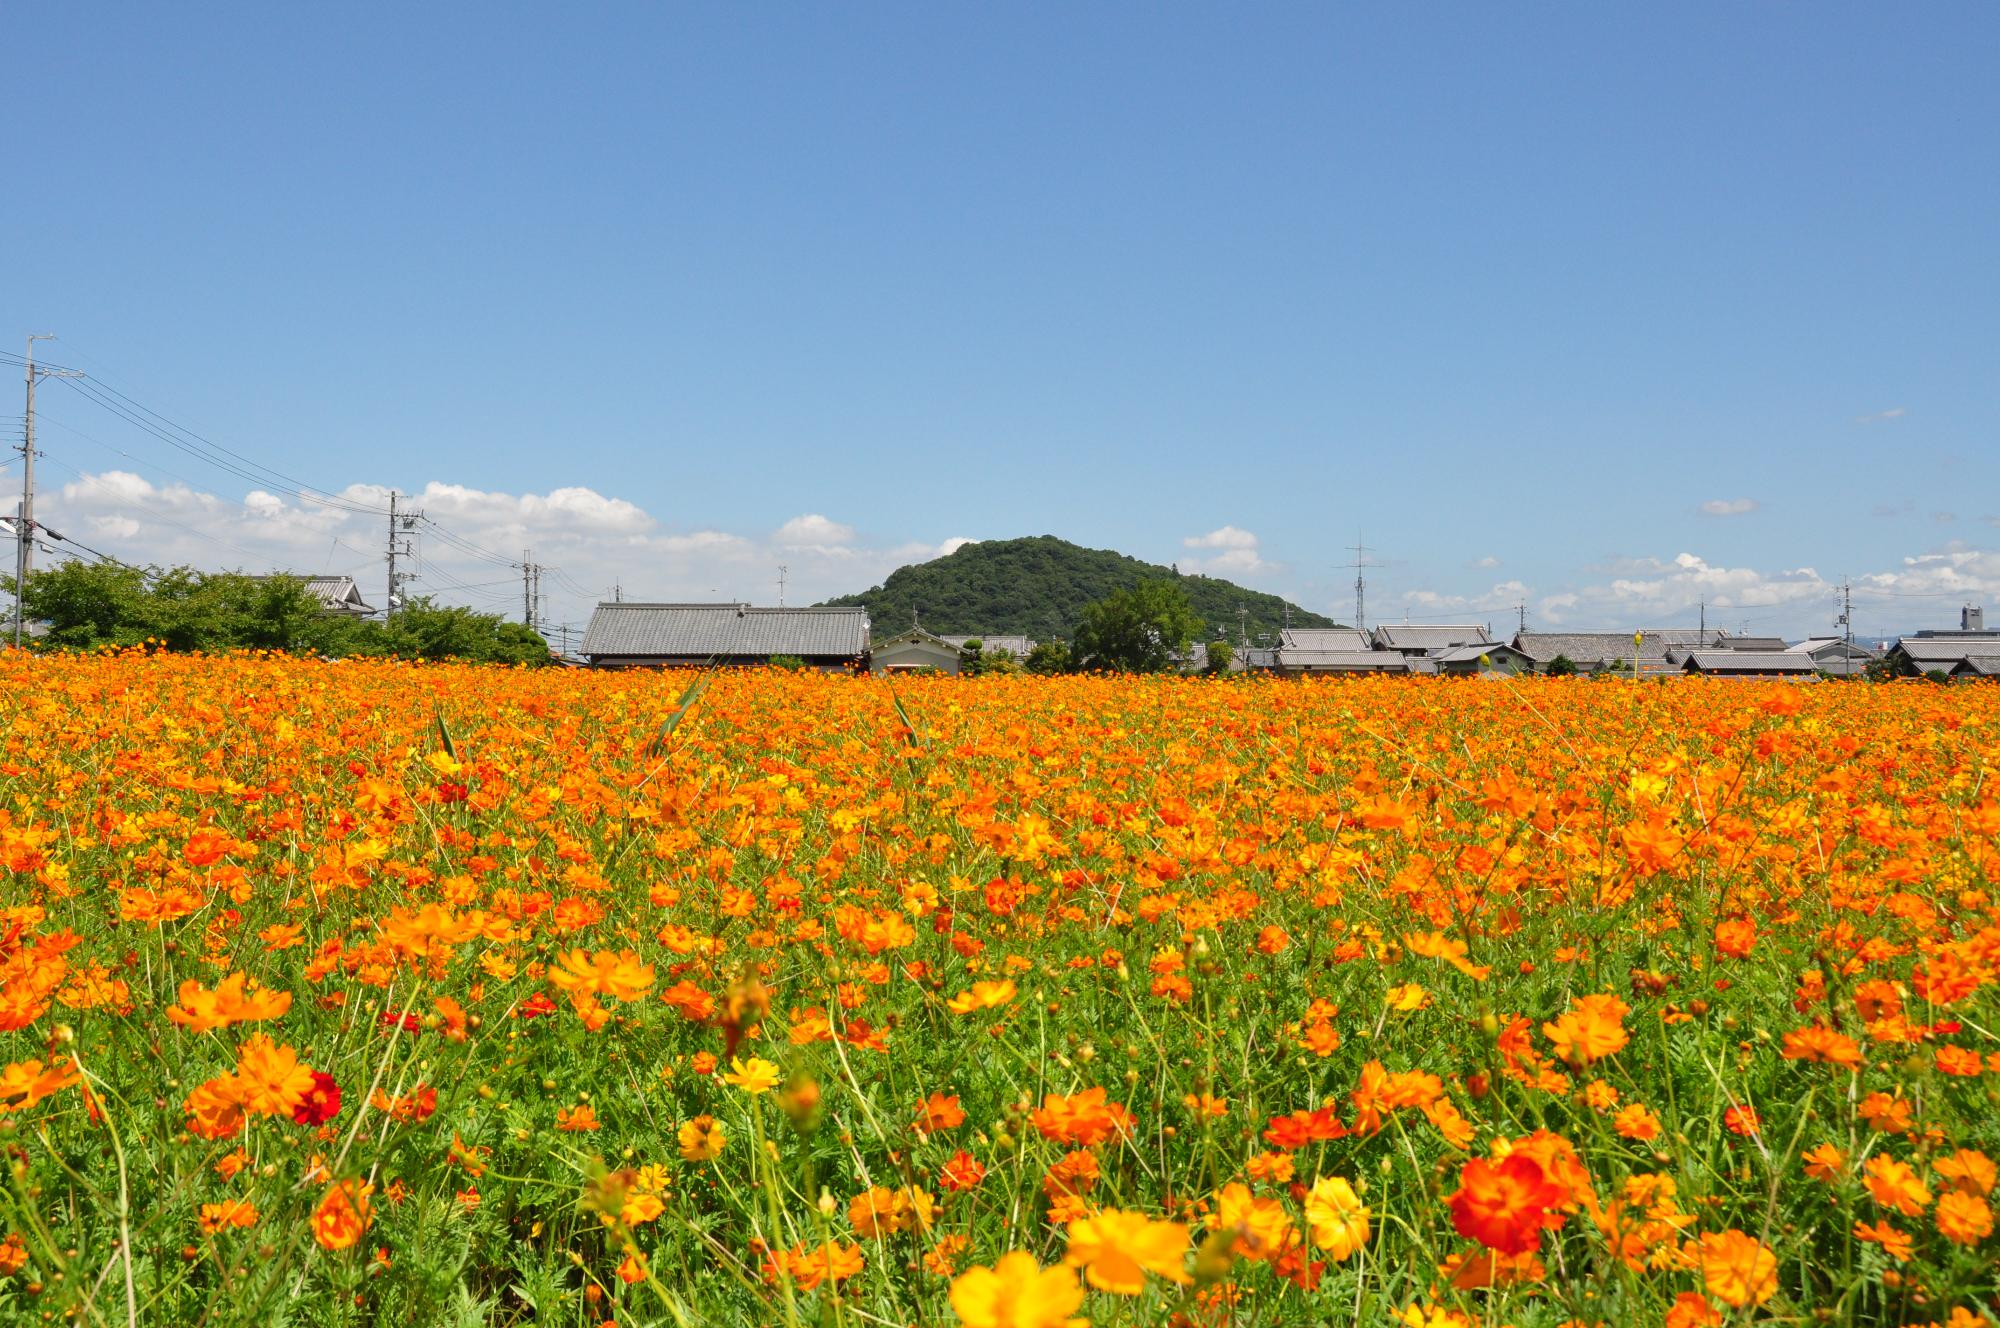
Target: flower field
(378, 994)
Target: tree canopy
(1142, 630)
(90, 605)
(1040, 586)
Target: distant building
(1834, 655)
(1748, 664)
(1593, 652)
(1953, 656)
(1493, 657)
(1324, 638)
(336, 594)
(627, 634)
(1422, 638)
(912, 650)
(1017, 646)
(1302, 663)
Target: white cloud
(1652, 592)
(1881, 416)
(953, 545)
(1487, 563)
(1432, 604)
(813, 531)
(1728, 506)
(1223, 537)
(589, 541)
(1236, 553)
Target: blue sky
(675, 295)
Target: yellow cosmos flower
(753, 1076)
(1116, 1250)
(1338, 1218)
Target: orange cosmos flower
(344, 1213)
(1738, 1269)
(269, 1079)
(1968, 1171)
(1116, 1249)
(1825, 1162)
(229, 1213)
(1017, 1292)
(1083, 1118)
(1964, 1219)
(1503, 1207)
(1260, 1225)
(578, 1119)
(701, 1139)
(1819, 1045)
(25, 1083)
(1636, 1122)
(1592, 1029)
(983, 996)
(1691, 1311)
(200, 1010)
(1894, 1184)
(939, 1112)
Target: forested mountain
(1038, 586)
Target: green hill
(1039, 585)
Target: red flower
(321, 1102)
(1502, 1206)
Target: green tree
(89, 604)
(423, 629)
(1141, 630)
(1219, 655)
(1048, 657)
(1562, 666)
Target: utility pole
(1521, 615)
(24, 523)
(617, 592)
(528, 588)
(1846, 624)
(1243, 626)
(1702, 638)
(401, 524)
(783, 572)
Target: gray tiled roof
(1429, 636)
(699, 631)
(1468, 653)
(1747, 661)
(1352, 661)
(1323, 638)
(1946, 649)
(1586, 647)
(1766, 644)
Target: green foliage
(1040, 586)
(1048, 657)
(1141, 630)
(1562, 666)
(975, 660)
(92, 605)
(1219, 656)
(787, 662)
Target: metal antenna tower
(24, 523)
(1362, 562)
